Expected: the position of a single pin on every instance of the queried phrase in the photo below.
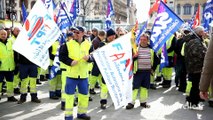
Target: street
(166, 104)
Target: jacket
(7, 62)
(72, 50)
(207, 72)
(194, 52)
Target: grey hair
(198, 29)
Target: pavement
(166, 104)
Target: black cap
(80, 28)
(110, 32)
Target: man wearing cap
(111, 35)
(75, 54)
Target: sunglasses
(77, 32)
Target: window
(178, 9)
(187, 9)
(104, 6)
(97, 6)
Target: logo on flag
(208, 15)
(110, 13)
(140, 33)
(166, 23)
(164, 58)
(116, 69)
(39, 33)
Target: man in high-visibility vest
(167, 71)
(54, 83)
(75, 54)
(16, 80)
(7, 65)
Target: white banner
(37, 35)
(115, 63)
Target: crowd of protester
(79, 75)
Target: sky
(142, 9)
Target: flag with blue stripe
(74, 11)
(208, 15)
(63, 22)
(50, 5)
(24, 12)
(110, 12)
(63, 19)
(143, 28)
(165, 25)
(191, 22)
(164, 58)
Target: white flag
(37, 35)
(115, 63)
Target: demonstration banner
(37, 35)
(115, 63)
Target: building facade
(185, 9)
(11, 9)
(125, 12)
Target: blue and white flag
(110, 12)
(166, 23)
(24, 12)
(63, 22)
(164, 58)
(208, 15)
(140, 32)
(191, 22)
(75, 10)
(54, 69)
(63, 19)
(51, 6)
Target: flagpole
(66, 13)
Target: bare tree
(86, 7)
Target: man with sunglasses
(75, 54)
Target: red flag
(154, 7)
(197, 18)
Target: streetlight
(10, 11)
